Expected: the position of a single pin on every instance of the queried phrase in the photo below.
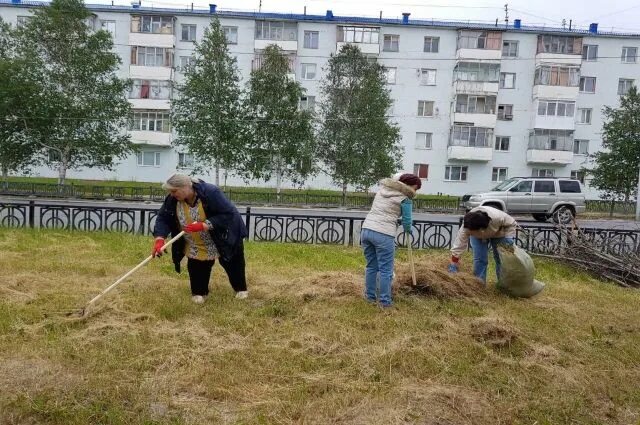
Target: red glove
(197, 226)
(454, 259)
(157, 247)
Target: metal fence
(293, 228)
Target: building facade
(476, 103)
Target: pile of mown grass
(305, 347)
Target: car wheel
(540, 217)
(563, 215)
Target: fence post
(32, 213)
(249, 223)
(143, 222)
(351, 232)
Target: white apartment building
(475, 103)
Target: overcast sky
(621, 15)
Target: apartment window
(624, 85)
(423, 140)
(543, 172)
(311, 39)
(465, 135)
(22, 21)
(581, 147)
(307, 103)
(477, 72)
(559, 44)
(502, 143)
(629, 54)
(467, 104)
(391, 43)
(421, 170)
(231, 34)
(425, 108)
(152, 24)
(507, 80)
(455, 173)
(185, 160)
(509, 49)
(390, 75)
(584, 115)
(557, 76)
(308, 71)
(150, 89)
(499, 174)
(109, 26)
(186, 62)
(151, 56)
(188, 32)
(148, 159)
(588, 84)
(578, 175)
(550, 139)
(366, 35)
(431, 44)
(427, 77)
(590, 52)
(157, 121)
(505, 112)
(556, 108)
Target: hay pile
(433, 279)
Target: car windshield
(503, 186)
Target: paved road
(336, 212)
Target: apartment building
(476, 103)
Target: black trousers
(200, 272)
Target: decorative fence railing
(294, 228)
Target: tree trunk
(612, 207)
(226, 174)
(5, 173)
(344, 194)
(62, 171)
(217, 174)
(278, 181)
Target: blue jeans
(379, 250)
(480, 248)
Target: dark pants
(200, 273)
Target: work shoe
(198, 299)
(241, 295)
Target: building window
(590, 52)
(157, 121)
(507, 80)
(581, 147)
(509, 49)
(584, 115)
(564, 76)
(565, 45)
(148, 159)
(543, 172)
(276, 31)
(477, 72)
(109, 26)
(466, 135)
(428, 77)
(231, 34)
(188, 32)
(455, 173)
(502, 143)
(551, 140)
(491, 40)
(499, 174)
(308, 71)
(390, 75)
(311, 39)
(629, 54)
(151, 56)
(556, 108)
(624, 85)
(366, 35)
(421, 170)
(431, 44)
(185, 160)
(391, 43)
(152, 24)
(505, 112)
(150, 89)
(307, 103)
(588, 84)
(467, 104)
(425, 108)
(423, 140)
(578, 175)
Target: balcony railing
(551, 143)
(473, 137)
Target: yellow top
(199, 245)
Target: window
(584, 115)
(499, 174)
(390, 74)
(231, 34)
(544, 186)
(185, 160)
(22, 21)
(366, 35)
(477, 71)
(425, 108)
(423, 140)
(468, 104)
(308, 71)
(427, 77)
(150, 89)
(509, 49)
(629, 54)
(564, 76)
(431, 44)
(148, 159)
(505, 112)
(588, 84)
(565, 45)
(311, 39)
(151, 56)
(624, 85)
(188, 32)
(507, 80)
(523, 186)
(590, 52)
(581, 147)
(569, 186)
(307, 103)
(150, 121)
(543, 172)
(466, 135)
(502, 143)
(421, 170)
(276, 31)
(455, 173)
(186, 62)
(479, 40)
(109, 26)
(577, 175)
(152, 24)
(391, 43)
(549, 139)
(556, 108)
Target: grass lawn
(304, 348)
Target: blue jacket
(228, 227)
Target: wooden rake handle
(413, 267)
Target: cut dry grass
(305, 347)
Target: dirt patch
(493, 332)
(433, 279)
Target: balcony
(470, 153)
(286, 45)
(151, 40)
(549, 157)
(469, 143)
(559, 49)
(367, 39)
(150, 72)
(555, 92)
(554, 122)
(152, 30)
(477, 120)
(282, 34)
(475, 87)
(475, 111)
(150, 103)
(365, 48)
(550, 147)
(483, 45)
(154, 138)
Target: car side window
(524, 186)
(569, 186)
(546, 186)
